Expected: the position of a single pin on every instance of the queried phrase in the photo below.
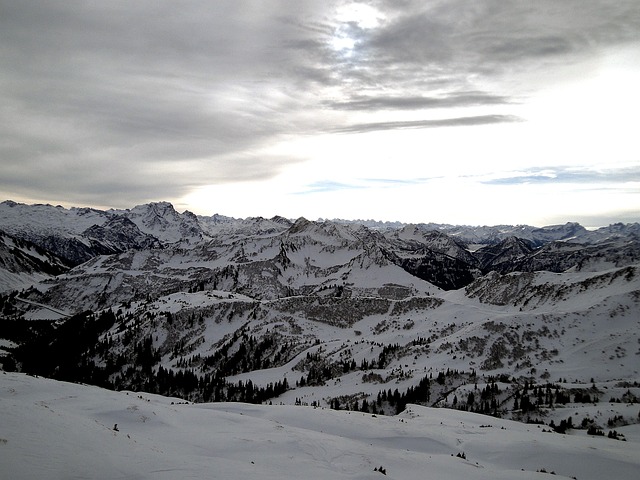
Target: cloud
(453, 47)
(324, 186)
(116, 103)
(494, 34)
(567, 175)
(604, 219)
(141, 98)
(431, 123)
(411, 102)
(328, 186)
(102, 182)
(393, 182)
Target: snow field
(56, 430)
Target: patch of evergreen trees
(387, 399)
(67, 350)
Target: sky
(480, 113)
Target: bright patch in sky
(363, 15)
(351, 18)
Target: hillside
(56, 430)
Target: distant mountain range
(73, 236)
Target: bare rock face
(117, 235)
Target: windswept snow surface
(57, 430)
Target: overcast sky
(467, 112)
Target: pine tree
(470, 399)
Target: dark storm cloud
(119, 102)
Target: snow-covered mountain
(79, 234)
(504, 255)
(161, 220)
(522, 323)
(54, 229)
(488, 235)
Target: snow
(17, 217)
(45, 312)
(573, 326)
(594, 332)
(17, 281)
(5, 345)
(57, 430)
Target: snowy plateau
(148, 343)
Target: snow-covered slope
(55, 430)
(568, 329)
(39, 220)
(23, 263)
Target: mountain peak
(300, 225)
(161, 220)
(158, 208)
(281, 220)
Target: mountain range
(519, 322)
(447, 256)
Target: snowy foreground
(57, 430)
